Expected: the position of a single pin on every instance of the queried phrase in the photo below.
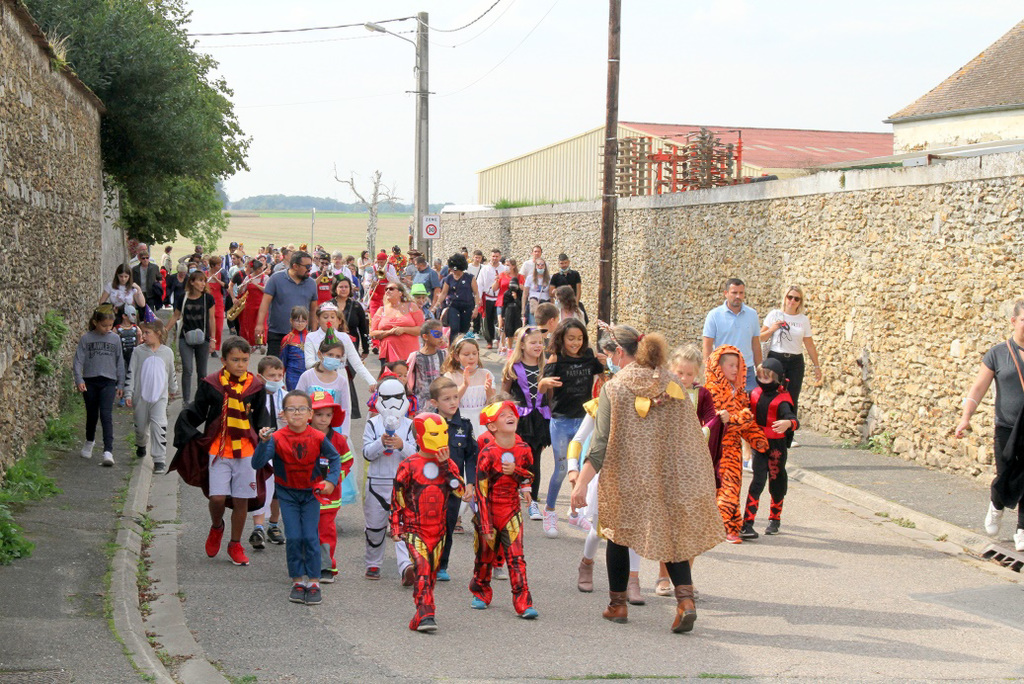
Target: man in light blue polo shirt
(284, 291)
(737, 324)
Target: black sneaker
(257, 538)
(773, 527)
(427, 624)
(326, 577)
(140, 452)
(748, 531)
(313, 595)
(275, 535)
(298, 594)
(159, 468)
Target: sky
(532, 72)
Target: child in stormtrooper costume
(392, 410)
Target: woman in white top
(327, 316)
(789, 330)
(122, 290)
(538, 288)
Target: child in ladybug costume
(327, 417)
(773, 410)
(503, 474)
(419, 504)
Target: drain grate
(1008, 558)
(35, 677)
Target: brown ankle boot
(686, 611)
(617, 609)
(585, 583)
(633, 593)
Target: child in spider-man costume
(502, 474)
(419, 504)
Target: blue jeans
(460, 314)
(562, 432)
(300, 512)
(751, 379)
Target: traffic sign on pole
(431, 227)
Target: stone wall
(51, 201)
(909, 276)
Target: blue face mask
(273, 385)
(331, 363)
(612, 367)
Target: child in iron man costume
(502, 474)
(419, 506)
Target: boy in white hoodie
(149, 382)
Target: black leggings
(617, 559)
(99, 405)
(793, 365)
(535, 469)
(1002, 437)
(772, 473)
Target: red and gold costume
(419, 504)
(732, 397)
(499, 512)
(324, 285)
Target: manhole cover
(35, 677)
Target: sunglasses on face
(391, 289)
(793, 298)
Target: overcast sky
(532, 72)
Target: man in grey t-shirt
(283, 291)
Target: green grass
(904, 522)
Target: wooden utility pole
(609, 199)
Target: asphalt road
(838, 595)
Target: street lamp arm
(377, 28)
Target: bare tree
(379, 194)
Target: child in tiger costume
(724, 378)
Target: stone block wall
(909, 275)
(51, 200)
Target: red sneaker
(237, 553)
(213, 540)
(733, 538)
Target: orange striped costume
(732, 397)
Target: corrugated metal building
(570, 170)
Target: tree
(379, 193)
(170, 133)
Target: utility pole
(421, 201)
(609, 200)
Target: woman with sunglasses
(396, 324)
(789, 332)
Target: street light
(420, 201)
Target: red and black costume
(498, 511)
(418, 508)
(769, 403)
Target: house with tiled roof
(570, 169)
(982, 102)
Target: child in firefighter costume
(387, 440)
(419, 505)
(502, 475)
(773, 410)
(724, 378)
(327, 417)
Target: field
(346, 232)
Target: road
(841, 594)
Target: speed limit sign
(431, 227)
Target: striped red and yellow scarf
(235, 420)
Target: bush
(13, 544)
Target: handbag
(196, 336)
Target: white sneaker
(551, 524)
(1018, 540)
(794, 445)
(579, 521)
(108, 459)
(87, 449)
(500, 573)
(535, 511)
(992, 520)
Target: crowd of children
(444, 439)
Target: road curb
(968, 540)
(123, 581)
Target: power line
(503, 59)
(295, 30)
(467, 25)
(288, 42)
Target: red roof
(784, 148)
